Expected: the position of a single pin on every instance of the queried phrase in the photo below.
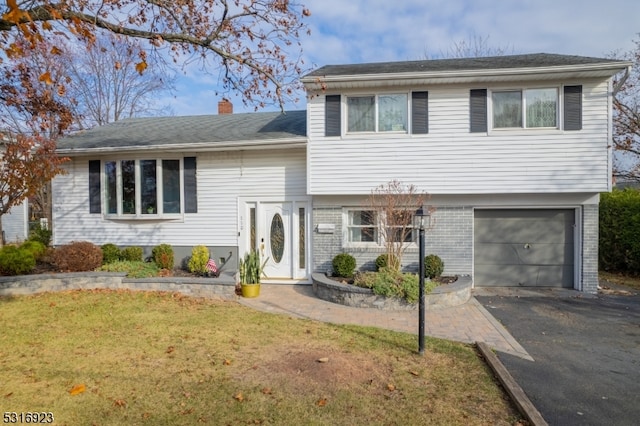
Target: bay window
(144, 188)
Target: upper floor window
(381, 113)
(531, 108)
(377, 113)
(539, 108)
(143, 188)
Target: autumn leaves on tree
(251, 46)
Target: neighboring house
(15, 224)
(513, 150)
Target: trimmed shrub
(77, 256)
(43, 235)
(36, 248)
(163, 256)
(16, 261)
(382, 262)
(199, 259)
(344, 265)
(133, 269)
(619, 234)
(110, 253)
(393, 283)
(132, 254)
(433, 266)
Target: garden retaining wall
(223, 286)
(443, 296)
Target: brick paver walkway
(468, 323)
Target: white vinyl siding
(452, 160)
(15, 223)
(222, 178)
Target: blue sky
(355, 31)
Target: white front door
(275, 240)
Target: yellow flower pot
(250, 290)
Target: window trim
(376, 103)
(379, 240)
(139, 214)
(523, 108)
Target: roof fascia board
(190, 147)
(598, 70)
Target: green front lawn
(121, 357)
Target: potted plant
(251, 270)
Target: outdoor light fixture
(421, 220)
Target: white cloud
(382, 30)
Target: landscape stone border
(223, 286)
(443, 296)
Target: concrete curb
(520, 399)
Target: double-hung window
(530, 108)
(378, 113)
(362, 226)
(374, 228)
(382, 113)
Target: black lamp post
(420, 219)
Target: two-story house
(513, 151)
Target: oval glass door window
(277, 238)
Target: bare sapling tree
(106, 85)
(475, 46)
(392, 207)
(626, 119)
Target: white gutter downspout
(618, 85)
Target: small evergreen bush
(16, 261)
(199, 259)
(43, 235)
(110, 253)
(163, 256)
(382, 262)
(389, 282)
(132, 254)
(433, 266)
(344, 265)
(133, 269)
(77, 256)
(36, 248)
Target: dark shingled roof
(197, 129)
(536, 60)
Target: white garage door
(524, 248)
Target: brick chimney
(225, 107)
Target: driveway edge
(520, 399)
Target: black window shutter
(190, 185)
(478, 110)
(572, 107)
(332, 115)
(94, 186)
(419, 112)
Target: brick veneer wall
(590, 233)
(450, 237)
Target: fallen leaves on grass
(77, 389)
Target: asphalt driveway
(586, 351)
